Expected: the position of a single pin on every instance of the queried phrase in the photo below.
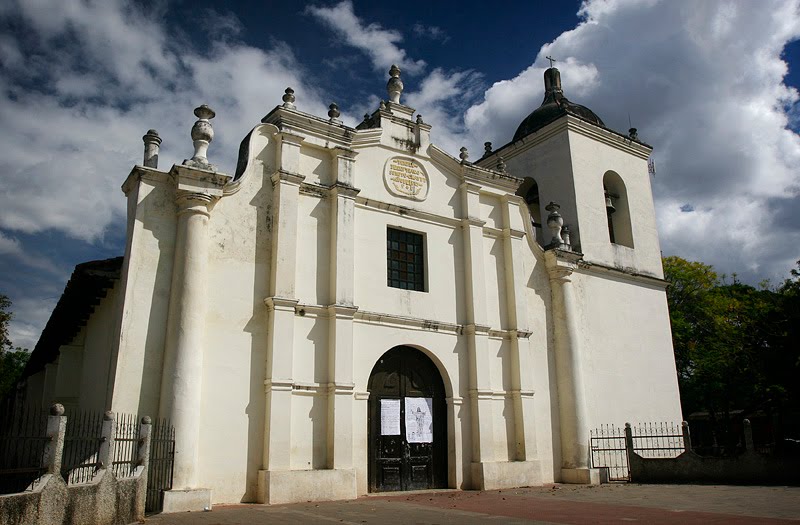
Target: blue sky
(711, 85)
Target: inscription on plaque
(406, 178)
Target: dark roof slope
(89, 284)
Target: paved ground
(567, 504)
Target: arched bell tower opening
(617, 211)
(407, 423)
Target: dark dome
(554, 106)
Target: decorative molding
(288, 177)
(408, 322)
(410, 212)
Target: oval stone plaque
(406, 178)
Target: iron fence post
(687, 438)
(143, 452)
(628, 446)
(104, 455)
(748, 436)
(54, 448)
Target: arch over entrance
(407, 423)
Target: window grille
(405, 260)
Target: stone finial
(555, 222)
(464, 155)
(56, 409)
(333, 112)
(288, 98)
(419, 119)
(633, 134)
(146, 420)
(108, 416)
(395, 86)
(383, 106)
(501, 165)
(565, 231)
(151, 146)
(202, 135)
(366, 117)
(487, 148)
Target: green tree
(12, 361)
(736, 347)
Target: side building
(354, 310)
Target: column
(341, 312)
(569, 375)
(181, 382)
(476, 332)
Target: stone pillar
(54, 447)
(476, 332)
(281, 311)
(105, 454)
(181, 383)
(573, 414)
(340, 337)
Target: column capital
(344, 153)
(560, 264)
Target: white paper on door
(419, 420)
(390, 417)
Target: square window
(405, 252)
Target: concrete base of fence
(186, 500)
(103, 501)
(747, 468)
(581, 476)
(44, 505)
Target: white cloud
(378, 43)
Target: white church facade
(354, 310)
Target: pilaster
(340, 313)
(476, 329)
(280, 314)
(517, 308)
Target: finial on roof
(333, 112)
(366, 117)
(289, 98)
(633, 134)
(551, 59)
(151, 145)
(419, 119)
(202, 135)
(383, 106)
(487, 148)
(501, 164)
(395, 86)
(464, 155)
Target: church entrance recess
(407, 423)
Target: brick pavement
(563, 504)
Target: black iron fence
(23, 436)
(650, 440)
(82, 441)
(159, 473)
(126, 446)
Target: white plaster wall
(98, 338)
(144, 291)
(233, 401)
(629, 365)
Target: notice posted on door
(419, 420)
(390, 417)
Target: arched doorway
(407, 423)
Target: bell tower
(598, 176)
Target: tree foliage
(12, 361)
(736, 346)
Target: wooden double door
(407, 423)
